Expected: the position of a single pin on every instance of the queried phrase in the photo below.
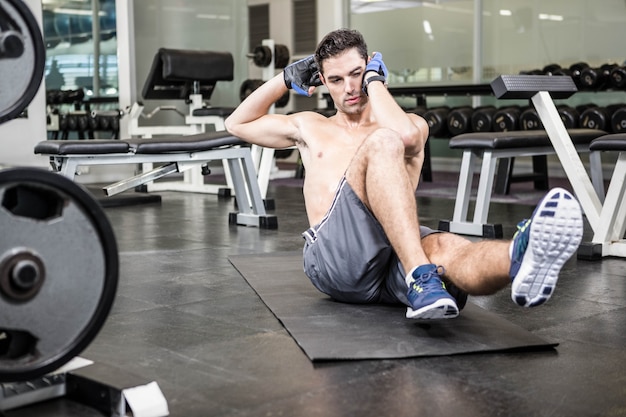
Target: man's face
(343, 76)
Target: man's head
(337, 42)
(341, 58)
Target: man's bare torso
(326, 150)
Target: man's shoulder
(313, 114)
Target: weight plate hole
(32, 202)
(15, 344)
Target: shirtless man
(365, 244)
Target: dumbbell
(575, 71)
(529, 120)
(114, 124)
(550, 69)
(547, 70)
(262, 56)
(618, 120)
(460, 120)
(535, 71)
(482, 118)
(92, 122)
(72, 122)
(598, 117)
(419, 110)
(617, 78)
(436, 119)
(596, 78)
(569, 115)
(506, 119)
(82, 122)
(104, 123)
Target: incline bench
(176, 154)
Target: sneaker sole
(443, 308)
(555, 234)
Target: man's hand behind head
(377, 65)
(302, 75)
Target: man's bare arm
(251, 122)
(387, 112)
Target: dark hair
(338, 41)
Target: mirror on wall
(81, 46)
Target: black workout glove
(301, 75)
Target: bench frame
(239, 160)
(479, 226)
(608, 238)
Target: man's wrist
(368, 80)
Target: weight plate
(248, 86)
(262, 56)
(21, 75)
(281, 56)
(58, 271)
(283, 100)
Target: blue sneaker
(542, 244)
(428, 296)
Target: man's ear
(322, 79)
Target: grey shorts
(348, 256)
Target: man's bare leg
(379, 176)
(532, 261)
(385, 180)
(478, 268)
(485, 267)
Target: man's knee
(385, 140)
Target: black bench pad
(171, 144)
(614, 142)
(179, 64)
(518, 139)
(81, 147)
(191, 143)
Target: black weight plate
(262, 56)
(281, 56)
(20, 77)
(283, 100)
(47, 217)
(248, 86)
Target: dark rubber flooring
(184, 317)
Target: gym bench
(173, 154)
(608, 238)
(605, 215)
(491, 147)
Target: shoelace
(521, 236)
(425, 281)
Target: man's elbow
(414, 136)
(414, 140)
(229, 125)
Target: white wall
(18, 137)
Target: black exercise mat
(329, 330)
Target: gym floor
(185, 318)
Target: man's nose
(351, 85)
